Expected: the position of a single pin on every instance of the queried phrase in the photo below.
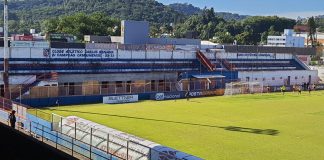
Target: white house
(286, 40)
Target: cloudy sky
(286, 8)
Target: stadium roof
(204, 76)
(268, 49)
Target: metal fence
(106, 88)
(90, 143)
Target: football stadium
(135, 97)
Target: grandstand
(42, 73)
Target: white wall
(280, 77)
(37, 53)
(19, 53)
(124, 54)
(165, 54)
(138, 55)
(153, 54)
(178, 54)
(190, 55)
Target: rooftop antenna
(6, 52)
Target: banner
(156, 47)
(120, 99)
(67, 53)
(186, 47)
(167, 96)
(99, 53)
(107, 46)
(29, 44)
(203, 93)
(256, 56)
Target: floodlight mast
(6, 52)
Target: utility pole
(6, 52)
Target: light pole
(6, 52)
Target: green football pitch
(267, 126)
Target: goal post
(235, 88)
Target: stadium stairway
(301, 65)
(22, 89)
(205, 61)
(225, 64)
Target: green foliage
(30, 13)
(203, 24)
(250, 31)
(80, 24)
(189, 10)
(99, 17)
(185, 8)
(224, 38)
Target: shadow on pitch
(270, 132)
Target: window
(264, 79)
(2, 90)
(161, 83)
(153, 88)
(104, 84)
(71, 88)
(296, 77)
(128, 86)
(119, 84)
(256, 79)
(273, 78)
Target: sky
(284, 8)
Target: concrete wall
(174, 41)
(65, 78)
(278, 78)
(135, 32)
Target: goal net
(235, 88)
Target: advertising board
(120, 99)
(155, 47)
(29, 44)
(202, 93)
(104, 46)
(256, 56)
(167, 96)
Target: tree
(312, 31)
(224, 37)
(80, 24)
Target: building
(286, 40)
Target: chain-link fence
(115, 88)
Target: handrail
(301, 63)
(205, 61)
(74, 139)
(15, 91)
